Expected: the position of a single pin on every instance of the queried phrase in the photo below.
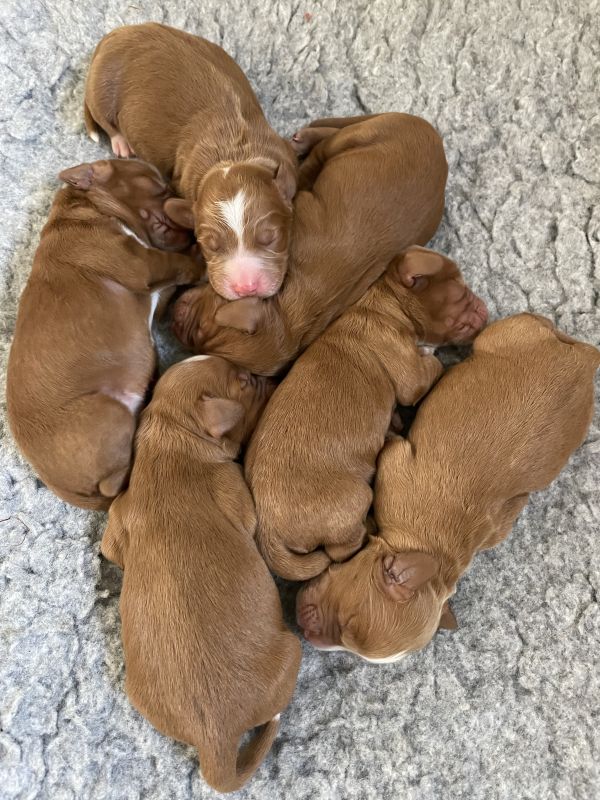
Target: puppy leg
(115, 538)
(413, 374)
(505, 520)
(149, 269)
(305, 139)
(341, 122)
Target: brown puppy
(381, 189)
(183, 104)
(312, 457)
(82, 355)
(496, 428)
(206, 651)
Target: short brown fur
(312, 457)
(494, 429)
(207, 654)
(379, 189)
(82, 355)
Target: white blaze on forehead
(232, 212)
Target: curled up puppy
(207, 654)
(494, 429)
(82, 356)
(316, 444)
(182, 103)
(379, 189)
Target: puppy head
(213, 398)
(448, 311)
(379, 604)
(201, 317)
(242, 218)
(134, 192)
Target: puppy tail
(92, 129)
(226, 769)
(289, 565)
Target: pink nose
(245, 288)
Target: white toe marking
(277, 717)
(128, 232)
(131, 400)
(232, 212)
(95, 136)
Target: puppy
(82, 355)
(311, 460)
(207, 654)
(183, 104)
(380, 190)
(496, 428)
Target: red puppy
(82, 355)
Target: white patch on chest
(232, 212)
(128, 232)
(195, 358)
(154, 298)
(387, 660)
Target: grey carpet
(507, 706)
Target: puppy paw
(121, 147)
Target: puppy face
(450, 313)
(242, 219)
(134, 192)
(379, 604)
(214, 398)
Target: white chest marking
(233, 211)
(387, 660)
(195, 358)
(154, 298)
(128, 232)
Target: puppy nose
(245, 288)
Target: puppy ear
(180, 211)
(448, 620)
(284, 176)
(286, 181)
(243, 314)
(220, 415)
(415, 265)
(81, 177)
(403, 573)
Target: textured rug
(507, 707)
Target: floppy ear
(84, 176)
(243, 314)
(286, 182)
(220, 415)
(416, 264)
(448, 620)
(284, 177)
(180, 211)
(403, 573)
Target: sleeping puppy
(82, 355)
(207, 654)
(312, 457)
(183, 104)
(496, 428)
(380, 189)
